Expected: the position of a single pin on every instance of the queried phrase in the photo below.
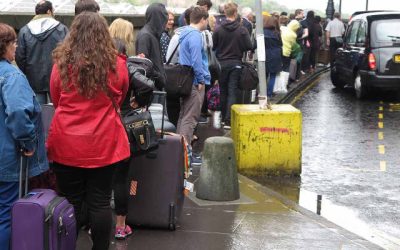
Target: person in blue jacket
(273, 50)
(191, 53)
(21, 130)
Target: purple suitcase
(156, 179)
(41, 220)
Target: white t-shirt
(335, 28)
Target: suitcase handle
(163, 95)
(23, 175)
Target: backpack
(249, 77)
(141, 82)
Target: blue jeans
(271, 84)
(229, 87)
(8, 195)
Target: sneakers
(122, 232)
(196, 160)
(203, 120)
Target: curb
(301, 86)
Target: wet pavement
(259, 220)
(351, 163)
(283, 213)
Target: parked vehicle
(370, 56)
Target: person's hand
(133, 103)
(28, 153)
(328, 43)
(200, 87)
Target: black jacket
(230, 40)
(36, 42)
(148, 40)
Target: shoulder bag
(139, 128)
(179, 78)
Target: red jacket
(85, 132)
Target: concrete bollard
(218, 174)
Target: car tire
(360, 87)
(335, 78)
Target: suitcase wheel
(171, 227)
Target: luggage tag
(189, 187)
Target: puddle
(339, 215)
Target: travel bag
(156, 184)
(41, 220)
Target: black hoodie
(230, 40)
(148, 39)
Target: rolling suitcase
(41, 220)
(156, 179)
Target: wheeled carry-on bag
(156, 184)
(41, 220)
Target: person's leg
(71, 185)
(98, 197)
(332, 50)
(191, 107)
(223, 88)
(271, 84)
(173, 109)
(8, 195)
(121, 196)
(233, 89)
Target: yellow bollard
(267, 141)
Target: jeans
(93, 187)
(229, 89)
(332, 49)
(121, 188)
(190, 113)
(8, 195)
(271, 84)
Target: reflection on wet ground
(351, 168)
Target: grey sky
(348, 6)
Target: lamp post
(366, 6)
(260, 49)
(330, 9)
(340, 7)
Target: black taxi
(370, 55)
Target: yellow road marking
(380, 116)
(381, 149)
(383, 166)
(380, 124)
(380, 108)
(381, 102)
(305, 90)
(380, 135)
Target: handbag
(213, 65)
(179, 78)
(139, 128)
(249, 77)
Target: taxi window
(385, 32)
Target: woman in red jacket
(87, 139)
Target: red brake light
(372, 61)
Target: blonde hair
(123, 30)
(212, 22)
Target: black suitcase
(156, 185)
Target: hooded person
(289, 37)
(36, 42)
(148, 40)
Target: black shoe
(203, 120)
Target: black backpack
(249, 77)
(141, 83)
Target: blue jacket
(20, 125)
(191, 53)
(273, 51)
